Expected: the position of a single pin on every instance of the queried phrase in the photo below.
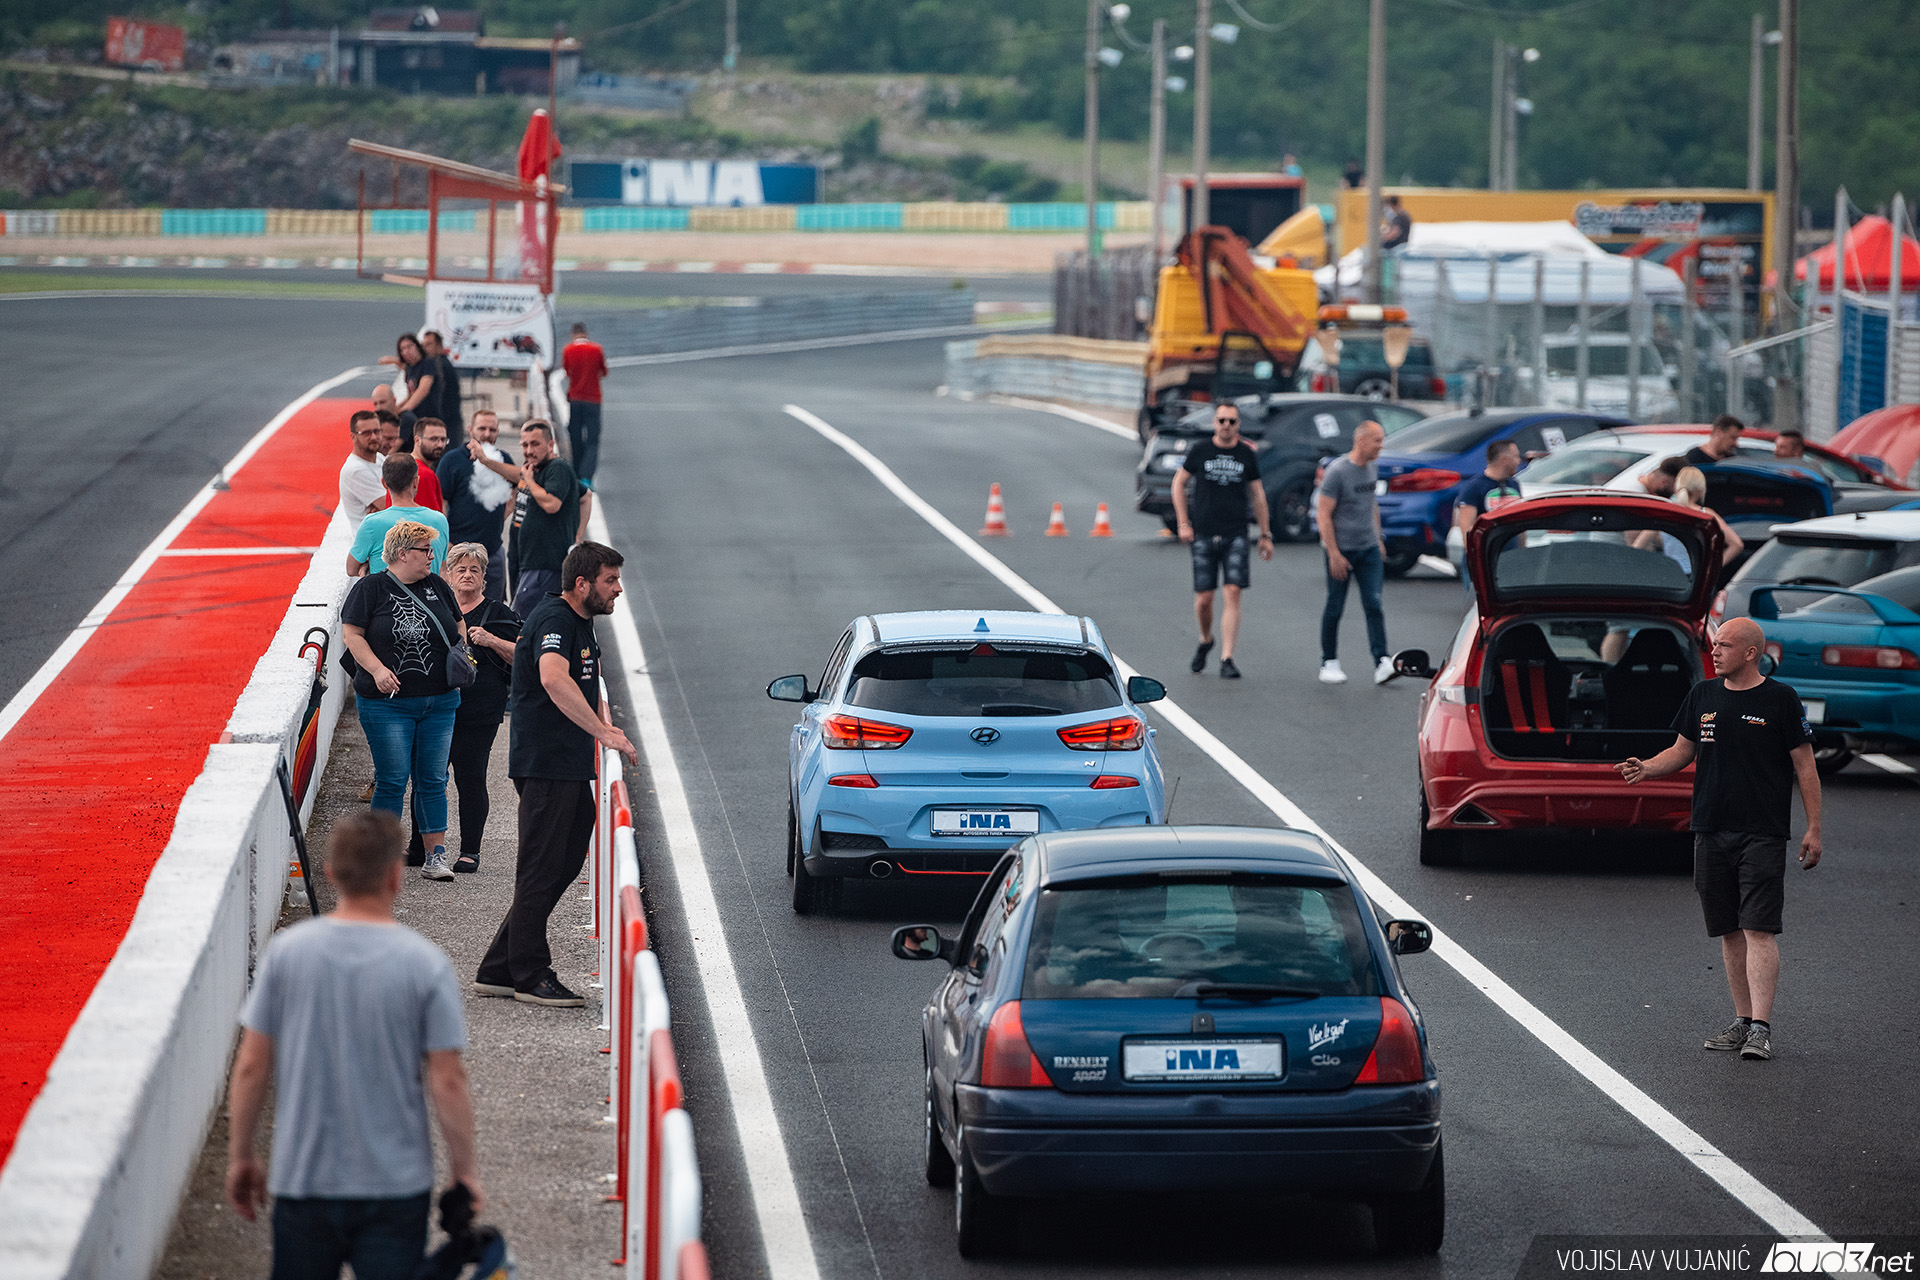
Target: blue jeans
(383, 1239)
(583, 433)
(1368, 567)
(411, 737)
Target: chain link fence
(1110, 295)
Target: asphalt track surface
(752, 541)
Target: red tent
(1869, 258)
(1891, 435)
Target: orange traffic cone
(1102, 526)
(1057, 526)
(996, 526)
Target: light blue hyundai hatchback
(934, 741)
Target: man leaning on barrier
(346, 1011)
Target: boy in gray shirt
(1349, 520)
(348, 1013)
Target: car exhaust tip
(879, 868)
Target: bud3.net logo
(1832, 1258)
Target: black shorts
(1223, 555)
(1741, 879)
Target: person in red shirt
(586, 363)
(429, 445)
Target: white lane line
(239, 551)
(776, 1197)
(1765, 1204)
(30, 692)
(817, 344)
(1890, 764)
(1128, 434)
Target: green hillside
(1627, 92)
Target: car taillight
(1008, 1061)
(1775, 652)
(1113, 781)
(1438, 387)
(1123, 733)
(1719, 609)
(1423, 480)
(1395, 1058)
(862, 780)
(1319, 383)
(1880, 657)
(851, 733)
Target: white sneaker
(1330, 672)
(438, 865)
(1383, 671)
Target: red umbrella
(1869, 258)
(538, 150)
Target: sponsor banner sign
(492, 326)
(151, 45)
(688, 183)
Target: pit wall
(937, 215)
(103, 1157)
(1047, 366)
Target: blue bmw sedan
(933, 741)
(1177, 1009)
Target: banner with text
(683, 183)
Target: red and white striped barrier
(658, 1174)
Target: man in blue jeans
(1349, 520)
(357, 1019)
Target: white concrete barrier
(103, 1156)
(679, 1192)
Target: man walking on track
(357, 1020)
(546, 518)
(1225, 477)
(1349, 520)
(555, 724)
(586, 363)
(1748, 739)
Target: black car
(1364, 370)
(1177, 1009)
(1291, 435)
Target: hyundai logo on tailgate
(985, 734)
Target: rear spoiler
(1763, 606)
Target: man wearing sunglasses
(1225, 476)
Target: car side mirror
(1414, 663)
(791, 689)
(1144, 689)
(1409, 937)
(923, 942)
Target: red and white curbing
(658, 1175)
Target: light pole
(1497, 116)
(1157, 140)
(1202, 115)
(1786, 163)
(1376, 136)
(1091, 168)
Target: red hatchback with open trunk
(1589, 628)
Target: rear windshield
(1448, 433)
(1145, 939)
(1603, 361)
(984, 680)
(1602, 563)
(1839, 563)
(1592, 466)
(1368, 353)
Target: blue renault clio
(933, 741)
(1177, 1009)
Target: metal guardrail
(658, 330)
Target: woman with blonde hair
(400, 626)
(1690, 490)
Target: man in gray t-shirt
(357, 1018)
(1349, 520)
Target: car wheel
(1437, 848)
(1831, 754)
(1375, 388)
(1414, 1223)
(1400, 559)
(939, 1161)
(983, 1224)
(793, 839)
(1293, 513)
